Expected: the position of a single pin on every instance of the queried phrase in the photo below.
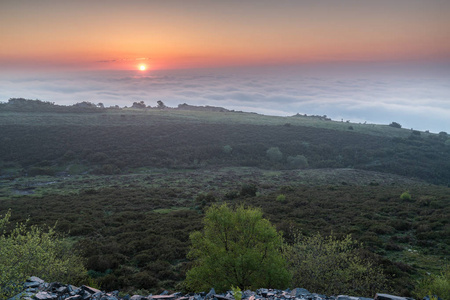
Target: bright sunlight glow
(142, 67)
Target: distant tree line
(27, 105)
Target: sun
(142, 67)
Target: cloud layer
(415, 99)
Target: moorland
(126, 186)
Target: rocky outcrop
(37, 289)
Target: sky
(366, 61)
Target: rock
(248, 294)
(431, 297)
(220, 297)
(58, 288)
(137, 297)
(36, 289)
(45, 296)
(23, 295)
(165, 297)
(390, 297)
(297, 292)
(211, 294)
(35, 279)
(89, 289)
(262, 292)
(33, 284)
(75, 297)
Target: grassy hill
(115, 141)
(127, 186)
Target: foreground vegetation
(134, 232)
(34, 252)
(128, 186)
(236, 248)
(332, 267)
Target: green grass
(152, 117)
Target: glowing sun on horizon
(142, 67)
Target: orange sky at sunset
(191, 34)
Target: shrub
(236, 248)
(205, 198)
(405, 196)
(230, 195)
(330, 266)
(248, 189)
(227, 149)
(237, 293)
(281, 198)
(298, 161)
(438, 285)
(274, 154)
(26, 252)
(395, 125)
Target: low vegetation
(332, 267)
(129, 186)
(437, 285)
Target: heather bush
(331, 266)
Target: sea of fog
(416, 97)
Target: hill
(127, 186)
(115, 141)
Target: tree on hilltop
(395, 125)
(161, 104)
(140, 104)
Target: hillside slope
(115, 141)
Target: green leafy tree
(331, 266)
(33, 251)
(236, 248)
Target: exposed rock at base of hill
(37, 289)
